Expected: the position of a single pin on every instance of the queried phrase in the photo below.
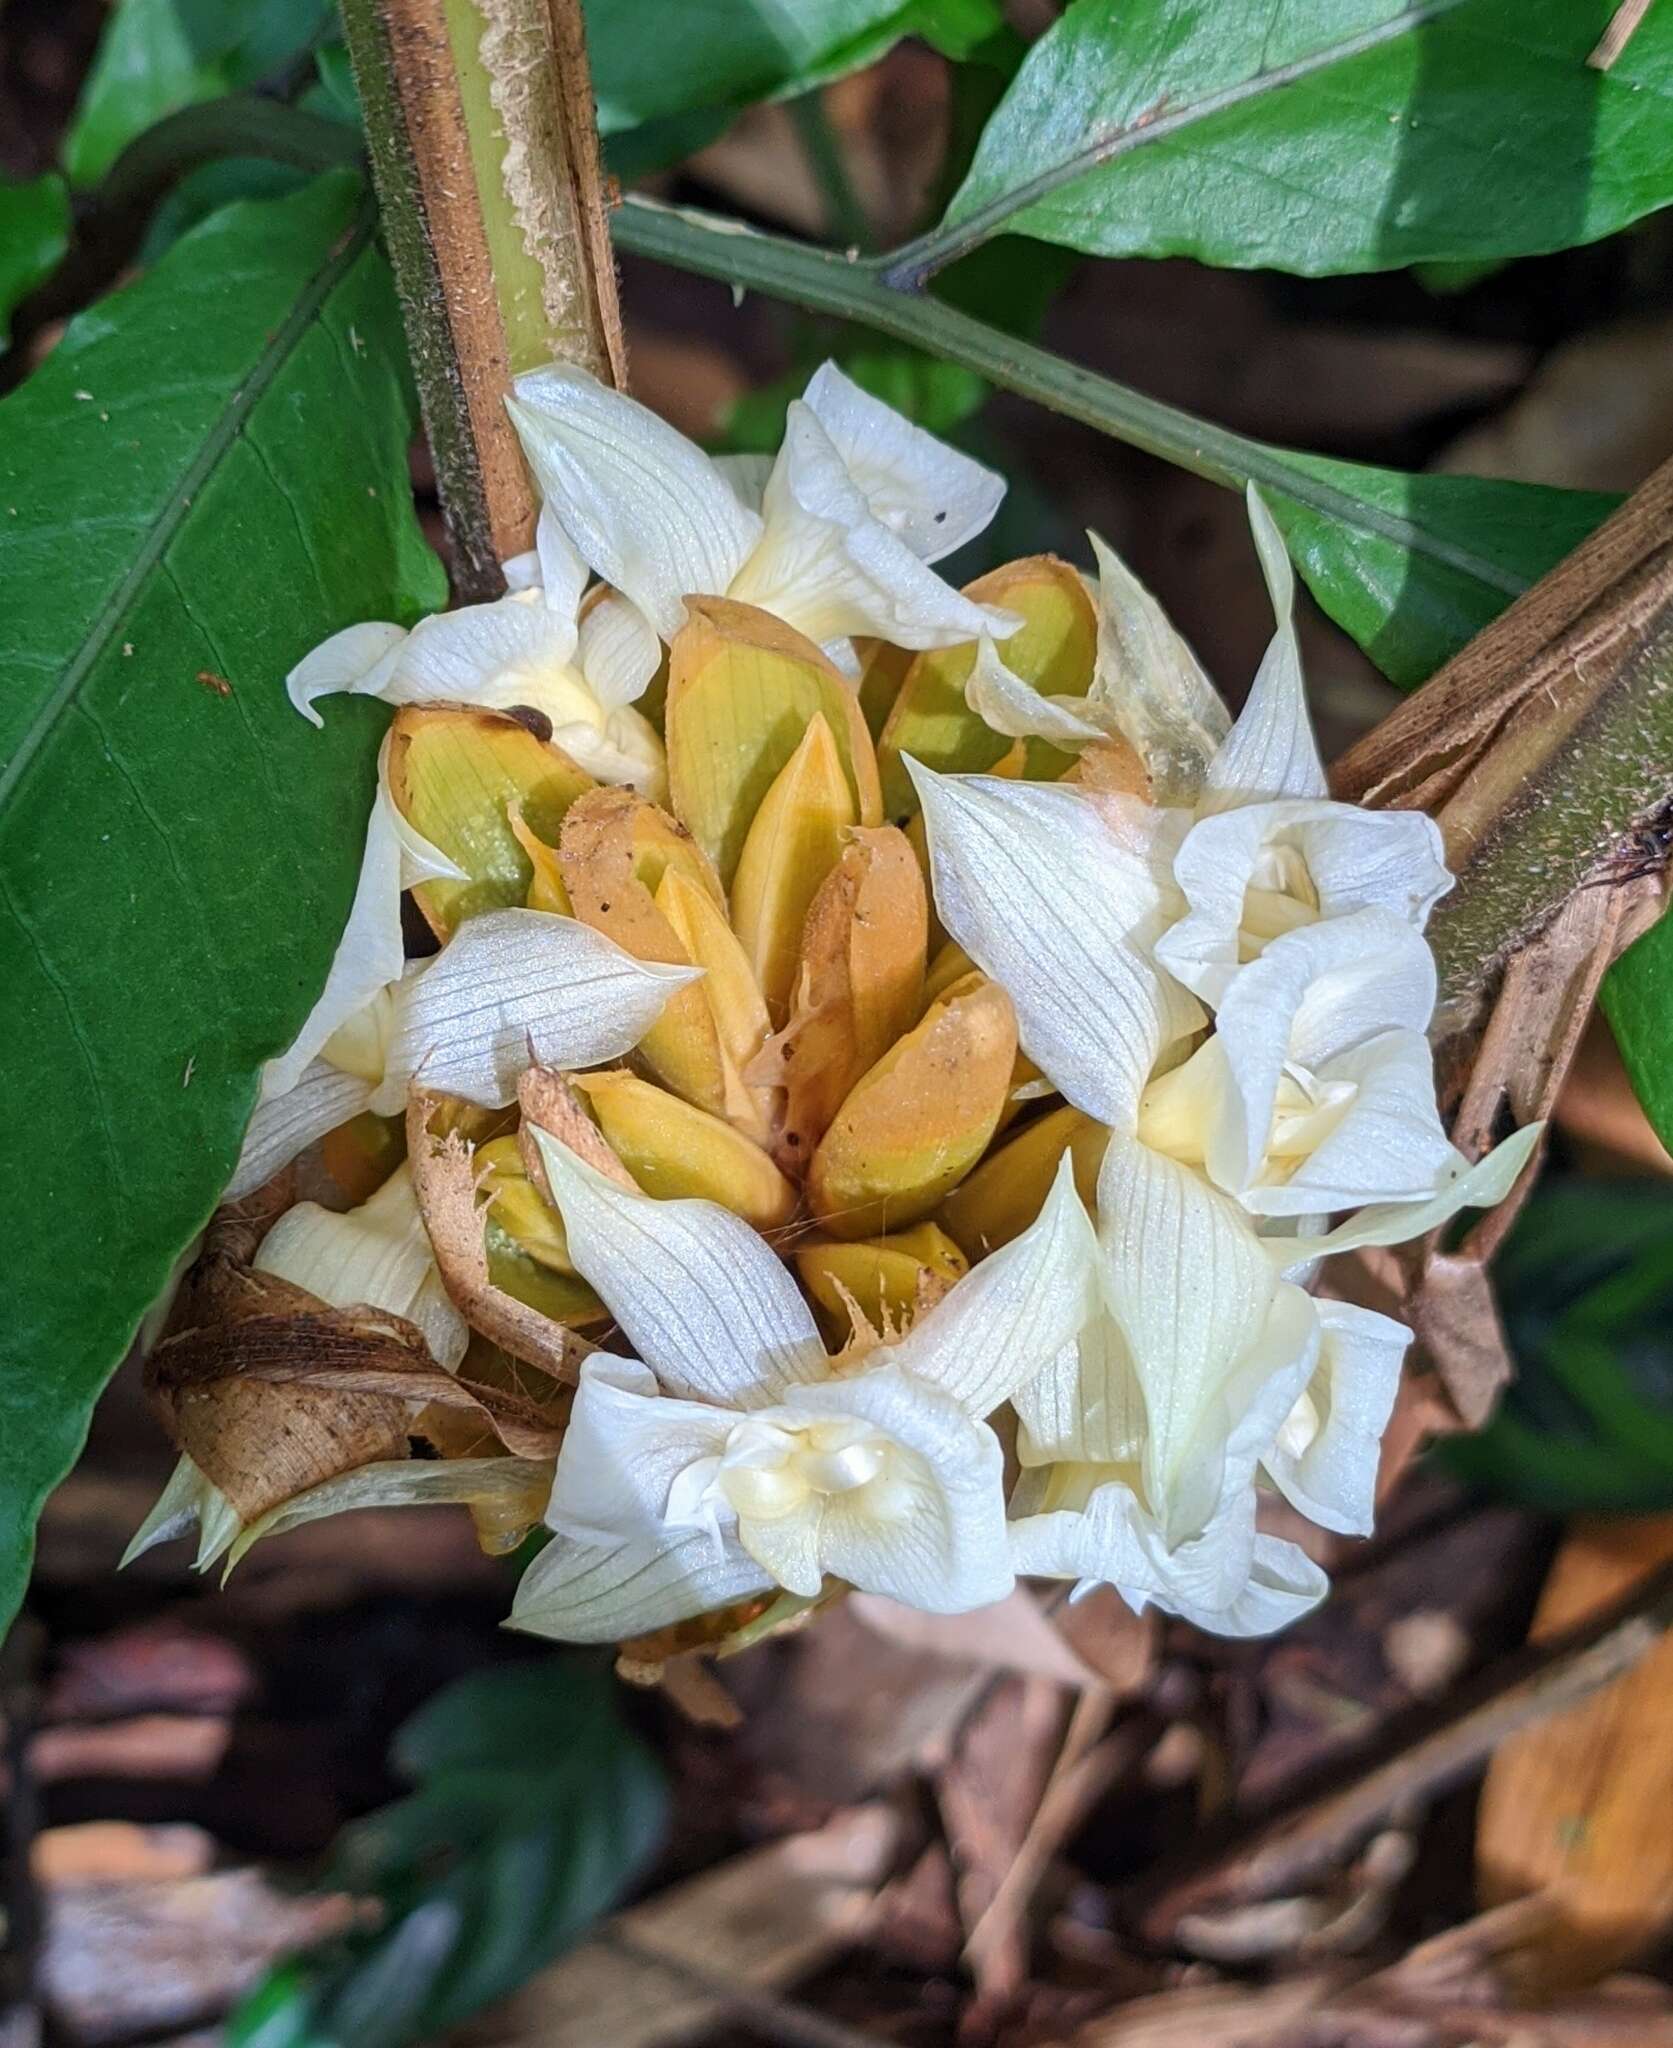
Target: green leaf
(157, 56)
(1483, 542)
(1322, 136)
(205, 477)
(534, 1812)
(34, 233)
(1637, 998)
(1586, 1284)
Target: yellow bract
(793, 842)
(888, 1279)
(742, 688)
(1054, 650)
(1005, 1193)
(920, 1119)
(674, 1150)
(453, 775)
(528, 1252)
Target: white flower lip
(736, 1452)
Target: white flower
(509, 987)
(582, 664)
(856, 505)
(739, 1457)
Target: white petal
(1059, 899)
(647, 510)
(1324, 1461)
(369, 955)
(747, 474)
(1086, 1407)
(1312, 997)
(1354, 860)
(1153, 684)
(397, 1483)
(378, 1254)
(1283, 1584)
(927, 494)
(1004, 702)
(585, 1593)
(935, 1539)
(1190, 1285)
(359, 661)
(625, 1446)
(563, 574)
(624, 751)
(516, 987)
(284, 1125)
(483, 653)
(618, 651)
(1270, 751)
(1007, 1319)
(704, 1300)
(1479, 1186)
(1389, 1146)
(830, 568)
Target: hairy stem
(479, 124)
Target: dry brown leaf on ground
(1108, 1646)
(1580, 1808)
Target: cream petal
(1008, 1318)
(285, 1125)
(516, 987)
(1270, 752)
(587, 1593)
(703, 1299)
(928, 495)
(788, 1547)
(1152, 684)
(931, 1532)
(358, 661)
(1059, 898)
(626, 1445)
(378, 1255)
(1354, 860)
(1479, 1186)
(1313, 996)
(646, 509)
(1086, 1407)
(830, 568)
(1389, 1145)
(624, 751)
(1283, 1585)
(189, 1501)
(617, 650)
(397, 1483)
(747, 474)
(1008, 705)
(1324, 1460)
(1192, 1289)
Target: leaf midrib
(958, 233)
(229, 424)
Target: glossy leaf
(534, 1811)
(206, 476)
(34, 233)
(1324, 136)
(1637, 999)
(157, 56)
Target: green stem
(853, 290)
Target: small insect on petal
(1054, 651)
(742, 687)
(675, 1151)
(920, 1119)
(454, 775)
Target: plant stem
(479, 124)
(849, 289)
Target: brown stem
(484, 150)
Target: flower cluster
(956, 1233)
